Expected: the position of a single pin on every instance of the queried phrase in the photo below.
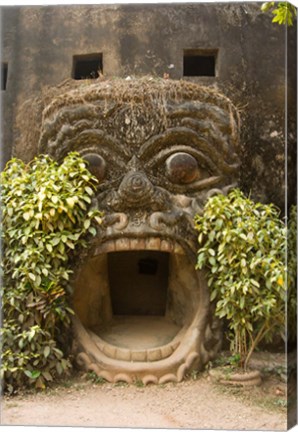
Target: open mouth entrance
(136, 303)
(140, 311)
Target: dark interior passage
(138, 282)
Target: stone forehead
(132, 111)
(139, 91)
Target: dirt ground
(196, 403)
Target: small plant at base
(96, 379)
(194, 375)
(121, 384)
(139, 383)
(46, 217)
(243, 250)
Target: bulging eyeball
(96, 165)
(182, 168)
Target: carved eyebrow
(75, 120)
(171, 136)
(98, 140)
(201, 111)
(181, 136)
(65, 116)
(224, 120)
(79, 132)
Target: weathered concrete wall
(39, 44)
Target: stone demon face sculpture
(159, 149)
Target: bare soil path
(192, 404)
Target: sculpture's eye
(182, 168)
(96, 165)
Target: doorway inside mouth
(138, 282)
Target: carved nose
(136, 188)
(137, 182)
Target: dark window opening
(199, 63)
(87, 66)
(138, 282)
(4, 71)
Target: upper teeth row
(151, 243)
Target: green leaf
(26, 216)
(46, 351)
(32, 276)
(89, 190)
(32, 374)
(92, 231)
(212, 261)
(87, 223)
(71, 202)
(49, 247)
(55, 241)
(45, 272)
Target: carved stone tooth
(175, 345)
(166, 351)
(153, 244)
(139, 356)
(100, 345)
(109, 351)
(134, 244)
(166, 246)
(154, 354)
(122, 244)
(123, 354)
(142, 244)
(178, 249)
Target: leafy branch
(284, 12)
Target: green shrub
(292, 274)
(46, 216)
(243, 250)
